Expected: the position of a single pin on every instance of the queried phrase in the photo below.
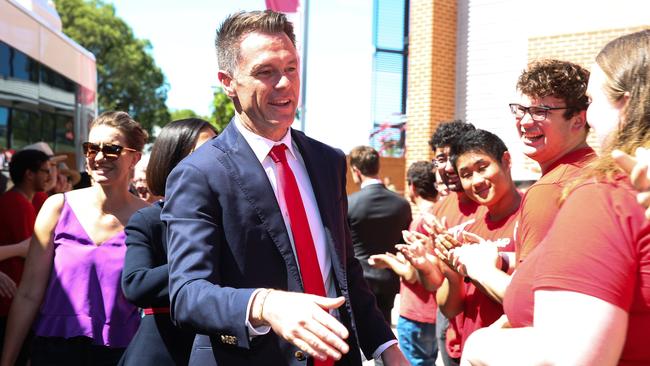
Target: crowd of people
(243, 248)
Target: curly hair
(558, 79)
(448, 133)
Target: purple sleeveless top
(84, 296)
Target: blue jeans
(417, 341)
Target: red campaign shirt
(610, 260)
(39, 199)
(17, 218)
(541, 201)
(416, 302)
(459, 214)
(479, 310)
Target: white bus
(48, 83)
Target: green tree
(222, 110)
(185, 113)
(127, 76)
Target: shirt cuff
(252, 331)
(377, 354)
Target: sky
(182, 35)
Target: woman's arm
(34, 280)
(570, 329)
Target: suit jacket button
(300, 356)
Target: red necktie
(312, 280)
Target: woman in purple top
(70, 290)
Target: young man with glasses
(552, 125)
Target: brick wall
(431, 73)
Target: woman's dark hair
(176, 141)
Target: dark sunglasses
(110, 151)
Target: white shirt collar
(369, 182)
(261, 145)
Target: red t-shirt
(417, 303)
(459, 215)
(539, 207)
(479, 310)
(17, 218)
(39, 199)
(603, 252)
(541, 201)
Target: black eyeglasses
(537, 113)
(110, 151)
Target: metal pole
(303, 64)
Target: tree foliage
(222, 110)
(128, 78)
(185, 113)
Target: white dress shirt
(261, 147)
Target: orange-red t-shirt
(479, 310)
(599, 246)
(459, 213)
(416, 302)
(541, 201)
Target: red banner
(283, 6)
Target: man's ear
(227, 83)
(506, 160)
(579, 120)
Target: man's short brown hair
(239, 24)
(366, 159)
(558, 79)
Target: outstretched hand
(304, 321)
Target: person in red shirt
(591, 273)
(455, 212)
(30, 173)
(551, 122)
(483, 164)
(416, 326)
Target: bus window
(4, 60)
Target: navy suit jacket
(226, 237)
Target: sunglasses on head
(110, 151)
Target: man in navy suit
(260, 257)
(377, 217)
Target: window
(5, 60)
(23, 67)
(4, 125)
(389, 76)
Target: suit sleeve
(144, 279)
(195, 238)
(372, 329)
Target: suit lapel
(320, 171)
(248, 173)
